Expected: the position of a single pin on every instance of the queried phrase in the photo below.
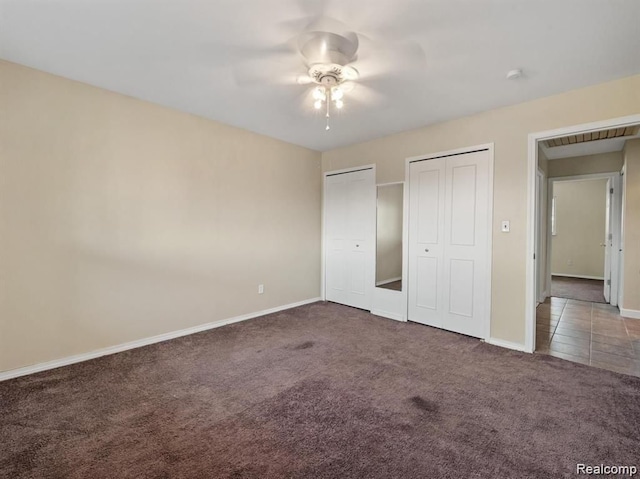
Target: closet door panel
(336, 238)
(426, 240)
(466, 239)
(448, 241)
(350, 235)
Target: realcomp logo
(605, 470)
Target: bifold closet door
(448, 242)
(350, 224)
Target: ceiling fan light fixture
(319, 94)
(328, 48)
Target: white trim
(506, 344)
(405, 244)
(323, 243)
(390, 183)
(579, 276)
(405, 239)
(532, 157)
(586, 177)
(441, 154)
(388, 315)
(621, 250)
(541, 283)
(371, 166)
(630, 313)
(57, 363)
(387, 281)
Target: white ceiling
(204, 56)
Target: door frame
(541, 282)
(405, 226)
(532, 166)
(616, 210)
(323, 246)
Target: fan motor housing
(332, 74)
(323, 47)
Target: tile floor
(589, 333)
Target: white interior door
(426, 240)
(449, 231)
(608, 242)
(350, 215)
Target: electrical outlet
(261, 289)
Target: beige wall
(389, 233)
(120, 219)
(580, 228)
(586, 165)
(631, 233)
(508, 129)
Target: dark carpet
(320, 391)
(578, 288)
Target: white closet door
(426, 240)
(350, 215)
(467, 231)
(448, 242)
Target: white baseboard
(385, 314)
(542, 298)
(506, 344)
(630, 313)
(580, 276)
(57, 363)
(387, 281)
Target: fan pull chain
(328, 101)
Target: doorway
(583, 239)
(624, 125)
(586, 330)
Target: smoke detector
(514, 74)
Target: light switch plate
(506, 226)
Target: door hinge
(608, 282)
(610, 236)
(610, 191)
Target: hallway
(589, 333)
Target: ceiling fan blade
(287, 70)
(268, 65)
(389, 60)
(312, 8)
(308, 12)
(304, 79)
(366, 96)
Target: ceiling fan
(329, 51)
(335, 60)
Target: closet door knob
(357, 246)
(426, 250)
